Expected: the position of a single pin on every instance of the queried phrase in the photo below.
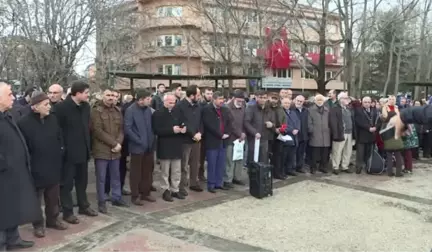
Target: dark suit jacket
(74, 121)
(336, 123)
(363, 122)
(212, 129)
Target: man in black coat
(73, 115)
(168, 128)
(45, 145)
(365, 122)
(303, 137)
(20, 204)
(217, 129)
(157, 102)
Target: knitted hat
(38, 97)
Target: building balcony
(169, 22)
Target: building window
(219, 70)
(169, 11)
(329, 50)
(312, 49)
(252, 71)
(330, 74)
(215, 42)
(250, 46)
(282, 73)
(169, 40)
(307, 74)
(251, 17)
(170, 69)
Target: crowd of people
(47, 140)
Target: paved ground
(308, 213)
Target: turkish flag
(278, 55)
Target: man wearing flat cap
(44, 140)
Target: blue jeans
(216, 159)
(112, 166)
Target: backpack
(375, 164)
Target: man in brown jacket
(107, 137)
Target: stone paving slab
(55, 239)
(417, 184)
(141, 239)
(312, 216)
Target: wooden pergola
(425, 84)
(155, 76)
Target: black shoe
(88, 211)
(120, 203)
(196, 188)
(167, 196)
(322, 170)
(228, 185)
(39, 232)
(359, 170)
(221, 188)
(71, 219)
(238, 182)
(20, 245)
(336, 172)
(126, 192)
(153, 189)
(291, 173)
(279, 177)
(300, 170)
(347, 171)
(211, 190)
(184, 192)
(178, 195)
(398, 175)
(391, 174)
(312, 171)
(103, 209)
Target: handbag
(390, 143)
(410, 139)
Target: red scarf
(391, 107)
(222, 128)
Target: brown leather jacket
(107, 131)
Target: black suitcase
(260, 180)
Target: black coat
(45, 145)
(19, 203)
(168, 143)
(125, 144)
(190, 115)
(74, 121)
(303, 117)
(336, 123)
(363, 122)
(212, 130)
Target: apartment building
(207, 37)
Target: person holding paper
(259, 124)
(217, 129)
(233, 172)
(289, 146)
(319, 134)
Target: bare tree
(311, 26)
(52, 33)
